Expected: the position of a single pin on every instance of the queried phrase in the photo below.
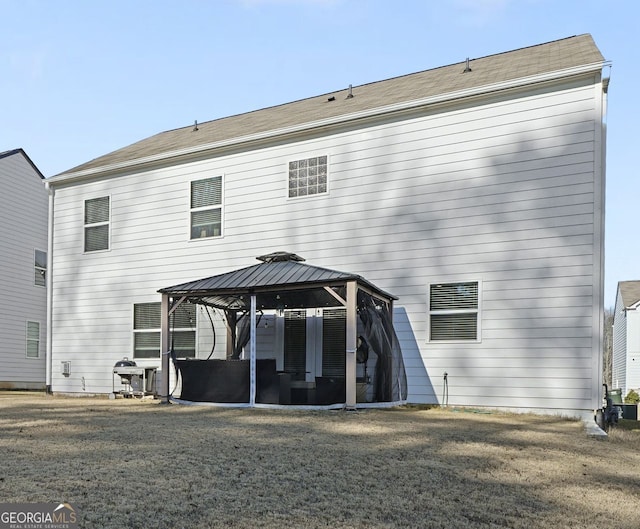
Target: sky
(81, 78)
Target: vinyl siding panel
(633, 350)
(619, 368)
(23, 229)
(502, 190)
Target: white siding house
(475, 197)
(626, 337)
(23, 265)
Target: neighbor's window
(453, 311)
(308, 177)
(206, 208)
(33, 339)
(96, 224)
(146, 330)
(40, 263)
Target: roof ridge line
(369, 83)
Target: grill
(135, 381)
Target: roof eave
(271, 288)
(344, 118)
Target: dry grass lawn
(141, 464)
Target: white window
(206, 208)
(182, 326)
(314, 345)
(146, 330)
(308, 177)
(33, 339)
(295, 343)
(453, 310)
(334, 337)
(96, 224)
(40, 264)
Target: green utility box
(629, 411)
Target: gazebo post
(351, 345)
(164, 347)
(252, 353)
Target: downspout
(49, 288)
(603, 173)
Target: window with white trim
(308, 177)
(146, 330)
(206, 208)
(33, 339)
(40, 265)
(453, 310)
(96, 224)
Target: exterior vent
(66, 368)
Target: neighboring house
(474, 193)
(626, 338)
(23, 267)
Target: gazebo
(283, 281)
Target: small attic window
(308, 177)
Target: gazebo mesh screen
(228, 380)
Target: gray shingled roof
(11, 152)
(630, 292)
(280, 278)
(525, 62)
(6, 154)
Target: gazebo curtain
(390, 379)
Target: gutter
(344, 118)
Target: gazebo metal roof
(281, 280)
